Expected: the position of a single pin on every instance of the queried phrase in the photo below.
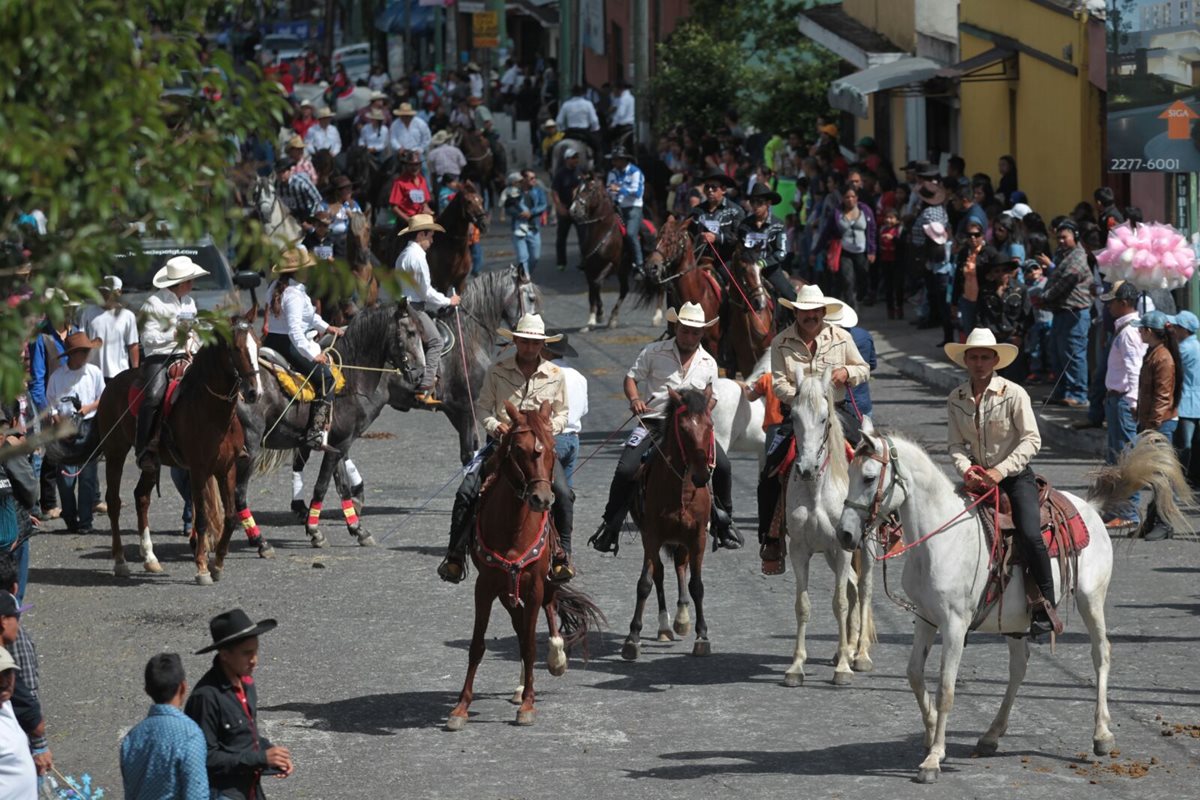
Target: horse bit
(884, 457)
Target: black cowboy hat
(621, 152)
(561, 348)
(762, 191)
(718, 176)
(232, 627)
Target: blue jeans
(633, 229)
(566, 448)
(1185, 438)
(477, 257)
(21, 557)
(77, 511)
(1167, 429)
(529, 249)
(1122, 430)
(1037, 346)
(1068, 338)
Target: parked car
(221, 288)
(360, 49)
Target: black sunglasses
(712, 187)
(974, 234)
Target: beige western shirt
(504, 381)
(659, 368)
(1001, 433)
(790, 355)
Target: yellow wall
(895, 19)
(1057, 115)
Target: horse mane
(917, 452)
(815, 392)
(692, 401)
(485, 296)
(367, 336)
(206, 363)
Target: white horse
(738, 422)
(816, 492)
(278, 223)
(945, 576)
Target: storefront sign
(485, 29)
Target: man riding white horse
(809, 347)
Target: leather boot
(1043, 619)
(606, 539)
(725, 532)
(318, 421)
(453, 568)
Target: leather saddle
(290, 381)
(1063, 529)
(175, 372)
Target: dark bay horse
(603, 246)
(511, 548)
(201, 433)
(675, 513)
(450, 255)
(371, 181)
(751, 315)
(677, 277)
(341, 295)
(485, 164)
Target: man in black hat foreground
(763, 237)
(224, 704)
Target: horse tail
(577, 614)
(76, 452)
(1151, 461)
(267, 461)
(650, 291)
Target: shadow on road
(375, 714)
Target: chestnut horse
(201, 434)
(485, 166)
(602, 246)
(450, 254)
(751, 315)
(677, 277)
(511, 551)
(675, 512)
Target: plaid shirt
(300, 196)
(25, 655)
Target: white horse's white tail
(1150, 462)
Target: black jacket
(237, 753)
(773, 249)
(725, 219)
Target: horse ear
(674, 395)
(827, 378)
(544, 411)
(710, 397)
(513, 414)
(866, 426)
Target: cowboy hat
(982, 339)
(620, 152)
(324, 112)
(811, 297)
(405, 110)
(562, 348)
(933, 194)
(176, 271)
(342, 182)
(717, 176)
(421, 222)
(232, 627)
(548, 124)
(530, 326)
(377, 95)
(473, 67)
(936, 231)
(763, 192)
(690, 315)
(376, 114)
(80, 341)
(295, 143)
(441, 137)
(846, 318)
(292, 261)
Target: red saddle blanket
(136, 395)
(1063, 529)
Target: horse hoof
(216, 574)
(149, 566)
(317, 539)
(927, 775)
(121, 569)
(682, 629)
(863, 665)
(988, 748)
(612, 322)
(204, 579)
(456, 723)
(518, 696)
(793, 679)
(1105, 746)
(525, 717)
(666, 635)
(842, 678)
(265, 550)
(701, 648)
(557, 670)
(365, 539)
(630, 651)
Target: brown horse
(680, 278)
(484, 166)
(603, 246)
(511, 551)
(675, 512)
(751, 315)
(339, 296)
(201, 434)
(450, 254)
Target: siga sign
(485, 29)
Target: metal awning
(850, 93)
(968, 68)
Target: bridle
(885, 456)
(824, 448)
(711, 445)
(522, 485)
(243, 378)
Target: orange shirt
(773, 413)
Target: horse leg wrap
(350, 514)
(314, 514)
(248, 524)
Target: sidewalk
(913, 353)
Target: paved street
(371, 647)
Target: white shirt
(577, 396)
(1124, 358)
(446, 158)
(117, 330)
(420, 289)
(374, 138)
(321, 138)
(475, 80)
(413, 136)
(296, 318)
(85, 383)
(579, 113)
(377, 83)
(659, 367)
(160, 314)
(623, 113)
(18, 776)
(508, 82)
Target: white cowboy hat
(811, 297)
(846, 318)
(421, 222)
(377, 95)
(982, 338)
(690, 315)
(376, 115)
(441, 137)
(530, 326)
(176, 271)
(324, 112)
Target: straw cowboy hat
(811, 297)
(549, 124)
(405, 110)
(232, 627)
(176, 271)
(293, 261)
(441, 137)
(80, 341)
(690, 315)
(421, 222)
(530, 326)
(295, 143)
(982, 338)
(377, 95)
(376, 114)
(324, 112)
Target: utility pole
(451, 37)
(568, 25)
(439, 21)
(408, 62)
(641, 67)
(501, 33)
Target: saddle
(175, 372)
(290, 381)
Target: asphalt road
(371, 649)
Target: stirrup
(605, 539)
(452, 571)
(771, 553)
(560, 571)
(428, 399)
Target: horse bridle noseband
(885, 456)
(243, 377)
(824, 448)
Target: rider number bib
(323, 252)
(713, 226)
(756, 241)
(416, 195)
(635, 438)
